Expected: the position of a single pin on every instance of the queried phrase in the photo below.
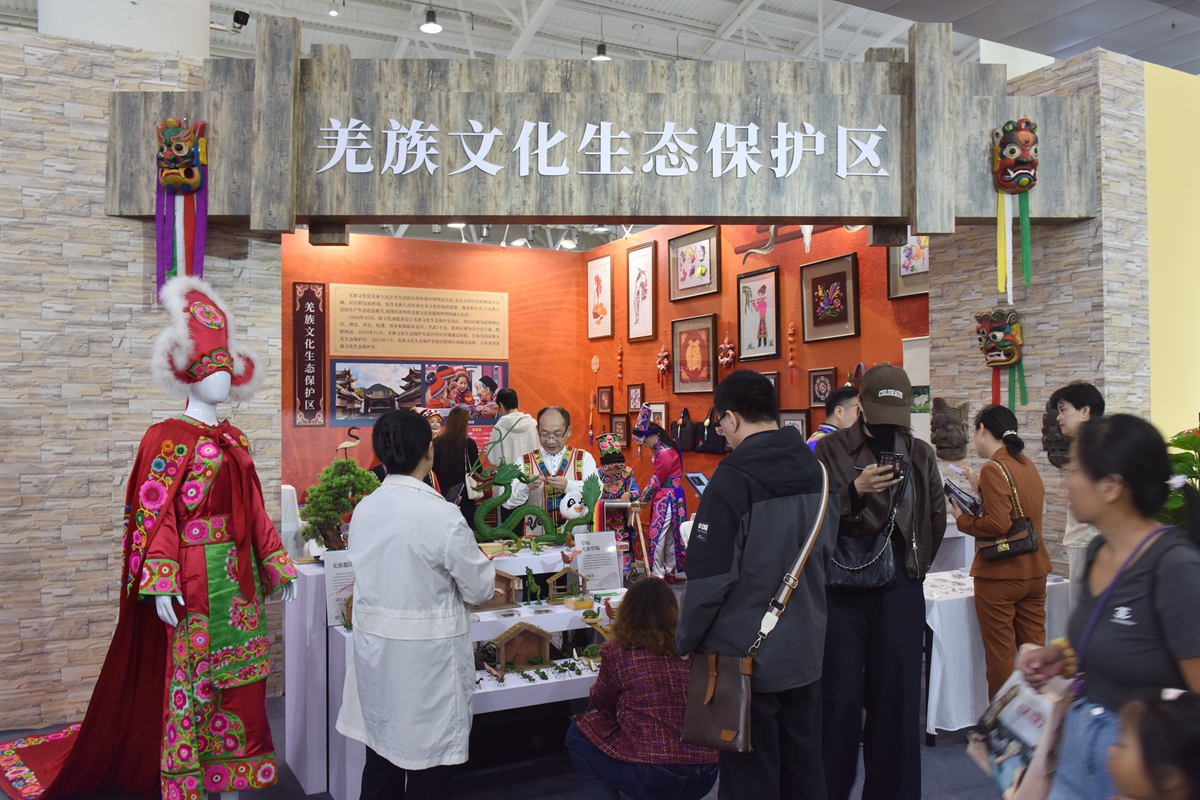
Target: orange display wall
(549, 353)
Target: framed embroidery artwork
(908, 268)
(635, 393)
(694, 353)
(695, 264)
(599, 294)
(604, 399)
(758, 314)
(659, 415)
(773, 377)
(828, 298)
(642, 282)
(794, 418)
(821, 384)
(619, 425)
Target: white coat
(416, 566)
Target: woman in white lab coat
(416, 566)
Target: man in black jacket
(754, 516)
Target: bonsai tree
(329, 503)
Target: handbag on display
(868, 563)
(717, 714)
(708, 440)
(683, 431)
(1021, 539)
(473, 491)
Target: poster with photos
(473, 386)
(599, 293)
(363, 391)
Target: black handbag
(717, 714)
(683, 431)
(1021, 539)
(868, 563)
(708, 440)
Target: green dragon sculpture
(503, 476)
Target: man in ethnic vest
(557, 468)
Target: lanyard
(1078, 684)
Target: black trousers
(383, 780)
(785, 764)
(874, 643)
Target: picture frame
(694, 354)
(604, 399)
(660, 414)
(695, 264)
(908, 268)
(635, 396)
(821, 383)
(828, 298)
(773, 377)
(619, 425)
(799, 418)
(758, 314)
(599, 293)
(641, 279)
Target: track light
(431, 23)
(486, 230)
(601, 228)
(568, 240)
(436, 228)
(601, 53)
(333, 9)
(456, 225)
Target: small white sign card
(339, 585)
(599, 560)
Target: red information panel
(308, 342)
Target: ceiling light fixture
(601, 53)
(568, 241)
(333, 10)
(601, 228)
(431, 23)
(436, 228)
(456, 225)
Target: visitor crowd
(840, 676)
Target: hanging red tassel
(995, 386)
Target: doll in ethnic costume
(179, 708)
(620, 484)
(666, 498)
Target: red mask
(1015, 156)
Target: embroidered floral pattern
(277, 569)
(229, 663)
(243, 614)
(207, 315)
(217, 360)
(19, 775)
(205, 462)
(159, 576)
(248, 773)
(231, 567)
(213, 530)
(152, 497)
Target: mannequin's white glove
(162, 603)
(289, 592)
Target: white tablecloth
(957, 674)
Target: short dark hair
(1001, 423)
(750, 394)
(507, 397)
(839, 397)
(1131, 449)
(1169, 733)
(1080, 395)
(401, 439)
(566, 415)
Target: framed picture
(660, 415)
(599, 293)
(635, 394)
(604, 399)
(821, 384)
(694, 353)
(758, 314)
(828, 298)
(695, 264)
(795, 418)
(619, 424)
(773, 377)
(642, 278)
(908, 268)
(363, 391)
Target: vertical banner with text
(308, 344)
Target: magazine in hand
(1007, 737)
(967, 501)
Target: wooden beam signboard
(337, 140)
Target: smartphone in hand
(893, 460)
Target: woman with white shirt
(416, 566)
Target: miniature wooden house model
(520, 643)
(508, 585)
(567, 582)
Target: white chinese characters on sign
(672, 152)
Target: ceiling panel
(1007, 18)
(934, 10)
(1176, 53)
(1167, 27)
(1095, 19)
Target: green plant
(339, 489)
(1185, 461)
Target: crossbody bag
(1022, 537)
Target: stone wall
(1086, 316)
(76, 330)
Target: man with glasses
(558, 469)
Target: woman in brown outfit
(1010, 595)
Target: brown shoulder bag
(718, 702)
(1021, 539)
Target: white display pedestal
(305, 682)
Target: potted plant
(330, 502)
(1185, 461)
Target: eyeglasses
(721, 419)
(551, 437)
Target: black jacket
(921, 516)
(754, 516)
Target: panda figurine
(571, 506)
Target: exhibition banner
(308, 357)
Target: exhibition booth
(804, 220)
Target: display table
(955, 666)
(549, 560)
(516, 692)
(305, 679)
(487, 625)
(957, 550)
